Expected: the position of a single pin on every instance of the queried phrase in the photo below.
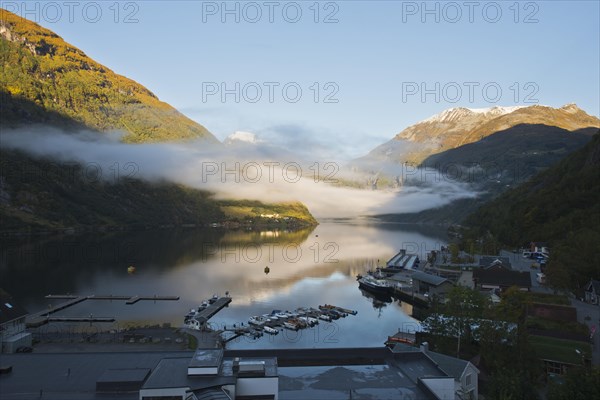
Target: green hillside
(560, 206)
(495, 164)
(48, 83)
(42, 195)
(40, 68)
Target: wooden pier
(213, 308)
(411, 297)
(127, 299)
(43, 317)
(81, 319)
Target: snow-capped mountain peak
(453, 114)
(242, 137)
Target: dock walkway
(43, 317)
(213, 308)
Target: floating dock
(43, 317)
(214, 308)
(201, 317)
(416, 299)
(127, 299)
(81, 319)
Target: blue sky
(371, 60)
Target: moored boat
(271, 331)
(309, 321)
(375, 285)
(257, 321)
(291, 325)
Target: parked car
(24, 349)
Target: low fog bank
(254, 171)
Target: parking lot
(519, 263)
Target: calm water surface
(305, 268)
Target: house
(12, 324)
(464, 373)
(592, 292)
(499, 277)
(431, 285)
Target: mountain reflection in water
(305, 268)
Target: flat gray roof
(333, 368)
(428, 278)
(50, 373)
(172, 373)
(124, 375)
(206, 358)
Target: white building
(209, 374)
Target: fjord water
(305, 268)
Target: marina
(272, 323)
(286, 287)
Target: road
(593, 312)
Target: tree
(579, 384)
(454, 253)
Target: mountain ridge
(458, 126)
(39, 66)
(495, 164)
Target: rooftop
(303, 373)
(173, 373)
(502, 277)
(452, 366)
(595, 284)
(206, 358)
(428, 278)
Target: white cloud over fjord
(257, 171)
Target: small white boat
(257, 321)
(193, 324)
(325, 317)
(270, 330)
(309, 320)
